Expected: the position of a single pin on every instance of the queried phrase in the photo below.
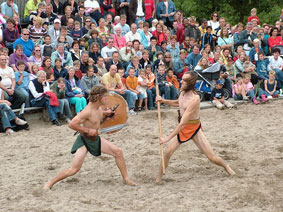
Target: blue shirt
(192, 59)
(6, 10)
(125, 29)
(27, 45)
(25, 80)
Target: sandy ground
(248, 138)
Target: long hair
(190, 81)
(96, 93)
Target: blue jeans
(44, 102)
(79, 102)
(267, 94)
(7, 115)
(129, 96)
(251, 94)
(169, 92)
(65, 107)
(151, 94)
(26, 93)
(17, 99)
(279, 77)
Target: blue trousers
(279, 77)
(151, 95)
(7, 115)
(168, 92)
(79, 102)
(17, 99)
(65, 107)
(44, 102)
(130, 98)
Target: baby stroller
(206, 81)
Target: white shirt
(7, 75)
(91, 4)
(107, 52)
(34, 92)
(275, 63)
(213, 25)
(139, 9)
(130, 36)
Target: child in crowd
(249, 89)
(270, 86)
(22, 81)
(62, 39)
(261, 66)
(59, 70)
(47, 48)
(82, 44)
(230, 70)
(217, 96)
(132, 85)
(165, 89)
(34, 70)
(151, 91)
(172, 81)
(139, 52)
(76, 33)
(103, 40)
(142, 81)
(4, 51)
(240, 89)
(77, 66)
(249, 67)
(121, 72)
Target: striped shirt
(35, 34)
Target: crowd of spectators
(60, 50)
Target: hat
(57, 21)
(219, 82)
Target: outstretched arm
(174, 103)
(191, 109)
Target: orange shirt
(174, 81)
(151, 78)
(132, 82)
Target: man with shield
(88, 123)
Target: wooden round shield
(118, 104)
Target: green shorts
(94, 147)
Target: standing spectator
(57, 7)
(31, 6)
(26, 43)
(92, 8)
(75, 91)
(37, 32)
(89, 80)
(124, 26)
(10, 35)
(193, 31)
(133, 34)
(214, 22)
(253, 16)
(106, 52)
(106, 7)
(17, 56)
(72, 4)
(121, 7)
(149, 11)
(8, 84)
(8, 9)
(136, 11)
(165, 11)
(194, 57)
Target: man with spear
(87, 123)
(189, 126)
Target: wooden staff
(160, 126)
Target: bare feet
(229, 170)
(47, 186)
(129, 182)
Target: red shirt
(160, 37)
(274, 42)
(250, 18)
(180, 34)
(149, 8)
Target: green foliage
(233, 10)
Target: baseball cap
(219, 82)
(57, 21)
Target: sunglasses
(215, 16)
(25, 34)
(87, 21)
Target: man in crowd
(133, 34)
(26, 43)
(107, 51)
(9, 9)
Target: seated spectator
(158, 33)
(270, 86)
(22, 81)
(50, 15)
(144, 61)
(217, 96)
(59, 88)
(67, 38)
(89, 80)
(102, 29)
(173, 48)
(231, 72)
(276, 64)
(142, 87)
(94, 51)
(239, 64)
(64, 55)
(59, 70)
(134, 65)
(40, 12)
(255, 51)
(249, 67)
(76, 33)
(240, 90)
(246, 38)
(77, 66)
(145, 35)
(173, 82)
(26, 43)
(94, 39)
(151, 91)
(54, 30)
(132, 85)
(31, 6)
(47, 48)
(10, 34)
(261, 66)
(224, 41)
(74, 91)
(84, 62)
(36, 57)
(194, 57)
(68, 14)
(108, 50)
(250, 89)
(7, 115)
(36, 31)
(75, 51)
(224, 56)
(124, 26)
(133, 34)
(115, 61)
(165, 89)
(180, 65)
(39, 98)
(274, 39)
(17, 56)
(34, 70)
(202, 65)
(8, 9)
(47, 68)
(126, 53)
(101, 69)
(119, 40)
(83, 20)
(208, 38)
(73, 6)
(236, 36)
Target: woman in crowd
(102, 29)
(68, 14)
(145, 35)
(119, 40)
(36, 57)
(167, 61)
(158, 33)
(202, 64)
(57, 7)
(75, 51)
(166, 11)
(36, 31)
(224, 40)
(255, 51)
(214, 22)
(94, 52)
(274, 39)
(74, 91)
(86, 28)
(94, 38)
(47, 68)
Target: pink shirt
(149, 7)
(119, 42)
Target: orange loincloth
(189, 131)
